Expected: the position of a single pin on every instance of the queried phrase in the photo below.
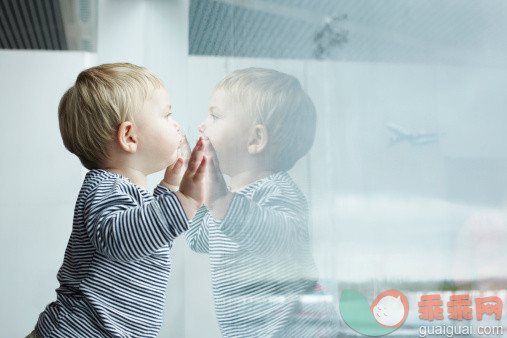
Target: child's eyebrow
(164, 108)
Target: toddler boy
(117, 119)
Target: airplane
(400, 134)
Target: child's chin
(164, 165)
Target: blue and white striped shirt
(260, 257)
(116, 266)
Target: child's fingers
(201, 170)
(195, 161)
(196, 157)
(179, 154)
(177, 166)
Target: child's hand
(216, 195)
(191, 193)
(174, 172)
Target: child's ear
(127, 139)
(258, 139)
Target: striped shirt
(116, 266)
(260, 257)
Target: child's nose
(177, 126)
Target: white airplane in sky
(400, 134)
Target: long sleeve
(160, 190)
(123, 230)
(197, 236)
(273, 222)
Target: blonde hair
(277, 101)
(102, 98)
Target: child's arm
(272, 225)
(275, 224)
(191, 193)
(197, 233)
(122, 230)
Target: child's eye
(213, 116)
(168, 115)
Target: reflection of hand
(191, 193)
(174, 173)
(216, 196)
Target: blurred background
(406, 179)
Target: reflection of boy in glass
(260, 123)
